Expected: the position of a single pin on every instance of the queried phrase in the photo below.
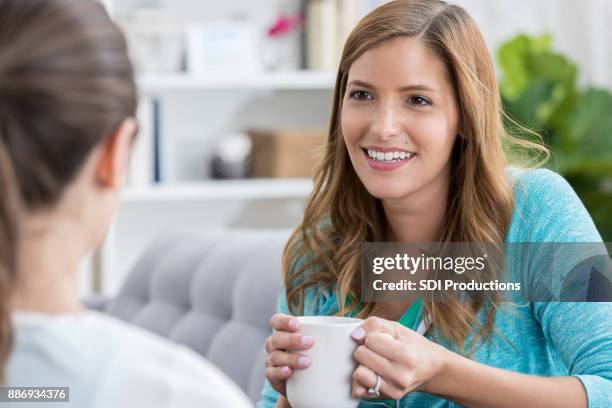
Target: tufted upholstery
(213, 292)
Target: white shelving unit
(248, 189)
(184, 115)
(155, 84)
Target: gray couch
(213, 292)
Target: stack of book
(328, 24)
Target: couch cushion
(213, 292)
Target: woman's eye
(360, 95)
(419, 101)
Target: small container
(232, 158)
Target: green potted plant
(539, 90)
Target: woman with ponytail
(67, 103)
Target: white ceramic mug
(327, 382)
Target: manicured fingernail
(293, 324)
(285, 370)
(304, 361)
(358, 334)
(306, 341)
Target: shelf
(221, 190)
(183, 82)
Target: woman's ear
(114, 159)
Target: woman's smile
(387, 158)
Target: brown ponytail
(9, 205)
(66, 83)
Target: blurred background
(235, 98)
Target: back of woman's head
(66, 83)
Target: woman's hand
(280, 363)
(405, 360)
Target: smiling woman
(417, 152)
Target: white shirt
(109, 363)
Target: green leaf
(512, 58)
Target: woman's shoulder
(137, 343)
(547, 209)
(537, 183)
(137, 359)
(539, 190)
(174, 374)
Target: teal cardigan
(544, 339)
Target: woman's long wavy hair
(340, 213)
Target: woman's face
(399, 118)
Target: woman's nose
(386, 126)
